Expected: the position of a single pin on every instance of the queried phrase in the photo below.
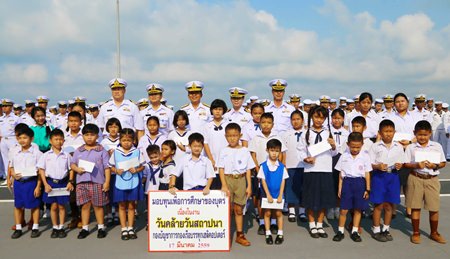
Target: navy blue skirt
(61, 200)
(135, 194)
(318, 191)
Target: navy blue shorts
(61, 200)
(293, 187)
(24, 195)
(352, 194)
(385, 187)
(197, 188)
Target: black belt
(22, 180)
(57, 181)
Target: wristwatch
(71, 181)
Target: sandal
(125, 235)
(302, 217)
(132, 234)
(322, 233)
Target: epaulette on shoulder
(184, 106)
(207, 105)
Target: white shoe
(330, 214)
(3, 182)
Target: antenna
(118, 39)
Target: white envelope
(403, 136)
(26, 171)
(58, 192)
(88, 166)
(433, 157)
(125, 165)
(319, 148)
(183, 140)
(274, 205)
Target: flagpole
(118, 39)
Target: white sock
(354, 229)
(292, 210)
(341, 229)
(268, 233)
(56, 227)
(280, 232)
(35, 226)
(273, 221)
(124, 229)
(319, 225)
(86, 227)
(312, 225)
(301, 210)
(130, 228)
(376, 229)
(386, 228)
(261, 221)
(61, 226)
(19, 227)
(100, 226)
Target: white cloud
(23, 74)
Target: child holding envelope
(54, 170)
(317, 148)
(423, 185)
(128, 163)
(90, 163)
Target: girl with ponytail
(318, 187)
(42, 129)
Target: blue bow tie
(318, 137)
(298, 134)
(338, 137)
(217, 128)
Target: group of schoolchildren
(249, 163)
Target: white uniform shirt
(61, 121)
(240, 117)
(406, 123)
(26, 118)
(281, 115)
(24, 159)
(258, 145)
(354, 167)
(56, 166)
(180, 138)
(215, 138)
(235, 160)
(165, 116)
(50, 118)
(146, 141)
(109, 143)
(431, 147)
(127, 113)
(437, 122)
(340, 137)
(372, 123)
(380, 153)
(197, 117)
(71, 142)
(195, 173)
(7, 125)
(250, 130)
(324, 161)
(291, 139)
(425, 114)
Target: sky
(64, 49)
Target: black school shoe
(379, 237)
(269, 240)
(279, 240)
(313, 235)
(124, 236)
(356, 237)
(262, 230)
(132, 234)
(16, 234)
(322, 235)
(55, 233)
(83, 234)
(388, 235)
(339, 236)
(292, 217)
(35, 233)
(101, 233)
(62, 233)
(274, 229)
